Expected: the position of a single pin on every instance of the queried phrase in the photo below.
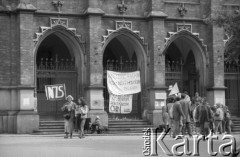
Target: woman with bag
(83, 111)
(77, 117)
(68, 110)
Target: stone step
(130, 126)
(51, 127)
(128, 123)
(125, 129)
(51, 122)
(50, 130)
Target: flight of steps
(127, 126)
(50, 127)
(236, 125)
(114, 127)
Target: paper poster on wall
(123, 83)
(120, 104)
(55, 92)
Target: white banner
(55, 92)
(123, 83)
(120, 104)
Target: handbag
(66, 116)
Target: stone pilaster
(216, 92)
(27, 120)
(157, 89)
(94, 92)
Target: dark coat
(186, 109)
(203, 113)
(177, 111)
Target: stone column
(27, 119)
(157, 89)
(216, 92)
(94, 92)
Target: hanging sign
(123, 83)
(120, 104)
(55, 92)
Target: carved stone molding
(123, 25)
(57, 22)
(122, 7)
(182, 27)
(58, 5)
(182, 10)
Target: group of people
(195, 116)
(75, 115)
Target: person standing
(170, 104)
(203, 115)
(177, 113)
(78, 117)
(185, 104)
(196, 98)
(165, 117)
(228, 121)
(83, 111)
(218, 117)
(68, 109)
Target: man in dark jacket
(177, 113)
(203, 115)
(185, 104)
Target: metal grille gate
(54, 71)
(173, 73)
(232, 82)
(121, 66)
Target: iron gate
(121, 66)
(57, 71)
(232, 82)
(173, 73)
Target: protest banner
(120, 104)
(55, 92)
(123, 83)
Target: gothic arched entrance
(55, 65)
(185, 64)
(232, 75)
(124, 53)
(59, 60)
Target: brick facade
(153, 19)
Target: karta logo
(152, 141)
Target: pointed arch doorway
(184, 64)
(58, 61)
(124, 53)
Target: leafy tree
(229, 20)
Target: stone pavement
(91, 146)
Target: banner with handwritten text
(120, 104)
(123, 83)
(55, 92)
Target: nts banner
(55, 92)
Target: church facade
(74, 42)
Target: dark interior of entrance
(120, 57)
(181, 68)
(55, 65)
